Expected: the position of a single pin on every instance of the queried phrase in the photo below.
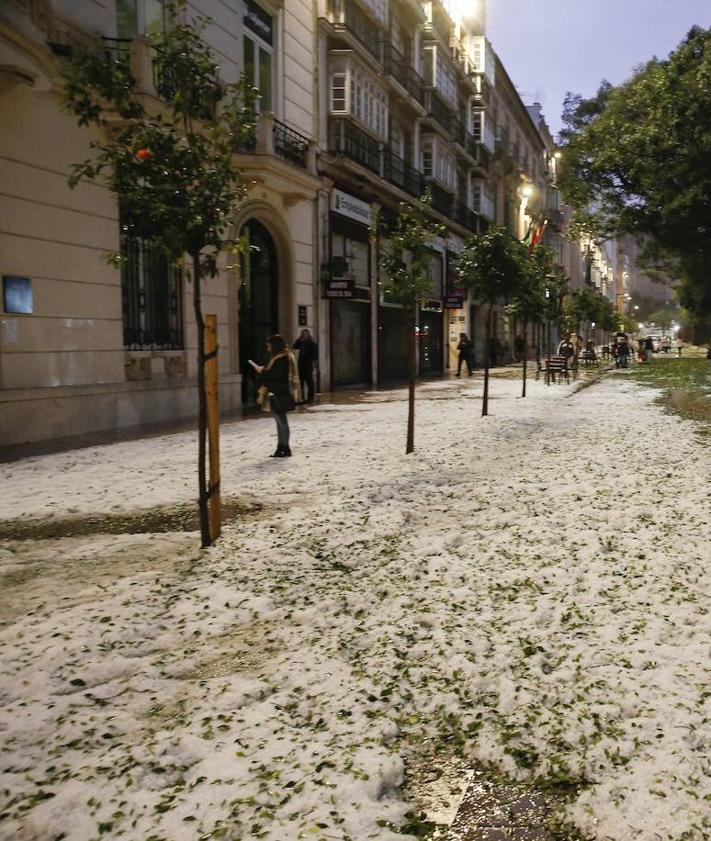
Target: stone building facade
(363, 104)
(87, 348)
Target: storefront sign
(338, 287)
(453, 301)
(350, 206)
(431, 306)
(259, 21)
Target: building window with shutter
(257, 44)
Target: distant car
(656, 342)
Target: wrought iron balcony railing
(346, 16)
(402, 174)
(400, 69)
(442, 200)
(347, 139)
(438, 110)
(290, 145)
(465, 216)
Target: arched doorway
(258, 303)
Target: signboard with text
(350, 207)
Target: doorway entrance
(258, 304)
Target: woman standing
(275, 391)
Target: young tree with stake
(169, 164)
(406, 260)
(491, 266)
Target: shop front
(347, 285)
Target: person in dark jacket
(308, 357)
(275, 381)
(465, 353)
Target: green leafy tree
(170, 166)
(663, 318)
(492, 266)
(637, 160)
(528, 302)
(406, 264)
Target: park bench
(589, 357)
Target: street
(529, 589)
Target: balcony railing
(437, 109)
(400, 69)
(347, 139)
(478, 151)
(402, 174)
(117, 49)
(442, 200)
(465, 215)
(346, 16)
(290, 145)
(268, 136)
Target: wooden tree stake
(213, 427)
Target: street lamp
(527, 191)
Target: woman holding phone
(276, 378)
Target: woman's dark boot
(278, 453)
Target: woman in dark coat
(275, 381)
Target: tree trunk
(202, 405)
(525, 356)
(548, 353)
(411, 374)
(485, 400)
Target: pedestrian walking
(308, 358)
(275, 391)
(623, 352)
(465, 352)
(679, 346)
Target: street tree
(528, 302)
(406, 260)
(171, 164)
(492, 266)
(663, 318)
(637, 161)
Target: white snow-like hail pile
(531, 588)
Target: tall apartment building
(363, 104)
(404, 89)
(84, 347)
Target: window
(257, 45)
(151, 295)
(338, 92)
(427, 159)
(139, 17)
(368, 102)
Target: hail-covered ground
(531, 589)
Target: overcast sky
(553, 46)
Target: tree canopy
(637, 160)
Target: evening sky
(555, 46)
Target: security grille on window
(257, 43)
(151, 295)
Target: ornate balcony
(442, 200)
